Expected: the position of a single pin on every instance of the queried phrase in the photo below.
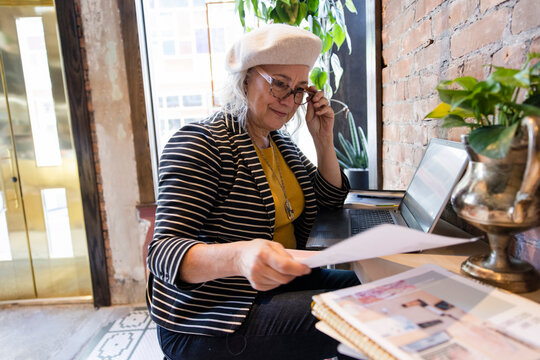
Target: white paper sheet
(379, 241)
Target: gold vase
(501, 197)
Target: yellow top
(283, 228)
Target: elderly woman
(234, 193)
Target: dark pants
(279, 325)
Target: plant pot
(358, 178)
(500, 197)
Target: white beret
(273, 44)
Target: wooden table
(450, 258)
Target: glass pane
(37, 81)
(5, 248)
(57, 223)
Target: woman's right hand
(267, 265)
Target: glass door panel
(44, 160)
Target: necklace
(288, 208)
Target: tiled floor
(132, 337)
(76, 331)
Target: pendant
(289, 210)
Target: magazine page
(431, 313)
(368, 245)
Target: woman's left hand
(320, 117)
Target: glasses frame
(270, 80)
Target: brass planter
(501, 197)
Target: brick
(392, 153)
(385, 75)
(384, 35)
(424, 7)
(406, 174)
(476, 67)
(526, 16)
(416, 37)
(401, 25)
(400, 91)
(425, 106)
(388, 94)
(391, 11)
(479, 34)
(410, 134)
(428, 85)
(402, 68)
(391, 52)
(390, 175)
(391, 133)
(511, 56)
(385, 150)
(460, 11)
(413, 87)
(428, 56)
(454, 70)
(404, 112)
(487, 4)
(535, 45)
(440, 22)
(454, 134)
(418, 153)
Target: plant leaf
(313, 6)
(439, 112)
(327, 43)
(452, 97)
(492, 141)
(467, 82)
(338, 35)
(529, 110)
(318, 77)
(354, 135)
(343, 160)
(347, 148)
(239, 7)
(302, 11)
(452, 120)
(350, 6)
(337, 69)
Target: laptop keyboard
(362, 219)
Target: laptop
(420, 207)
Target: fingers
(267, 265)
(320, 103)
(282, 262)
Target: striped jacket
(212, 189)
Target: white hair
(234, 97)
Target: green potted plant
(353, 158)
(494, 108)
(324, 18)
(499, 191)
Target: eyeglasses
(280, 90)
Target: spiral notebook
(431, 313)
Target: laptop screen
(430, 189)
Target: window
(169, 47)
(172, 101)
(180, 58)
(192, 100)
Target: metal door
(43, 247)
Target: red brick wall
(426, 41)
